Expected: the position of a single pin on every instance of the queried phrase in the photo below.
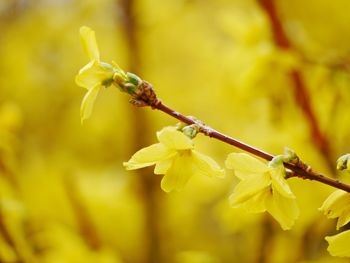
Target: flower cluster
(263, 187)
(175, 157)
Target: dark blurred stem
(8, 239)
(148, 183)
(266, 244)
(86, 226)
(302, 98)
(301, 93)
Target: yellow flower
(175, 157)
(339, 244)
(94, 75)
(262, 188)
(337, 205)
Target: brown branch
(301, 93)
(298, 170)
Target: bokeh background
(272, 73)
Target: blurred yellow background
(64, 194)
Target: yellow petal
(245, 165)
(339, 244)
(337, 205)
(284, 210)
(94, 73)
(206, 165)
(174, 139)
(279, 183)
(257, 204)
(88, 103)
(149, 156)
(163, 166)
(344, 218)
(178, 174)
(246, 189)
(88, 39)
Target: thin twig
(304, 171)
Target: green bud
(342, 162)
(190, 131)
(119, 78)
(134, 79)
(290, 155)
(180, 125)
(276, 161)
(130, 88)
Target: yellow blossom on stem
(337, 205)
(175, 157)
(263, 187)
(339, 244)
(94, 75)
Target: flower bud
(342, 162)
(276, 161)
(134, 79)
(190, 131)
(290, 155)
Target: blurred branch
(8, 239)
(146, 96)
(86, 226)
(301, 93)
(148, 184)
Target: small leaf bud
(190, 131)
(134, 79)
(290, 155)
(276, 161)
(342, 162)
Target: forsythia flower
(339, 244)
(262, 188)
(175, 157)
(94, 75)
(337, 205)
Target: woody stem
(304, 172)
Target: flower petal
(337, 205)
(163, 166)
(284, 210)
(88, 103)
(279, 183)
(246, 189)
(344, 218)
(245, 165)
(174, 139)
(94, 73)
(149, 156)
(206, 165)
(88, 39)
(257, 204)
(179, 173)
(339, 244)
